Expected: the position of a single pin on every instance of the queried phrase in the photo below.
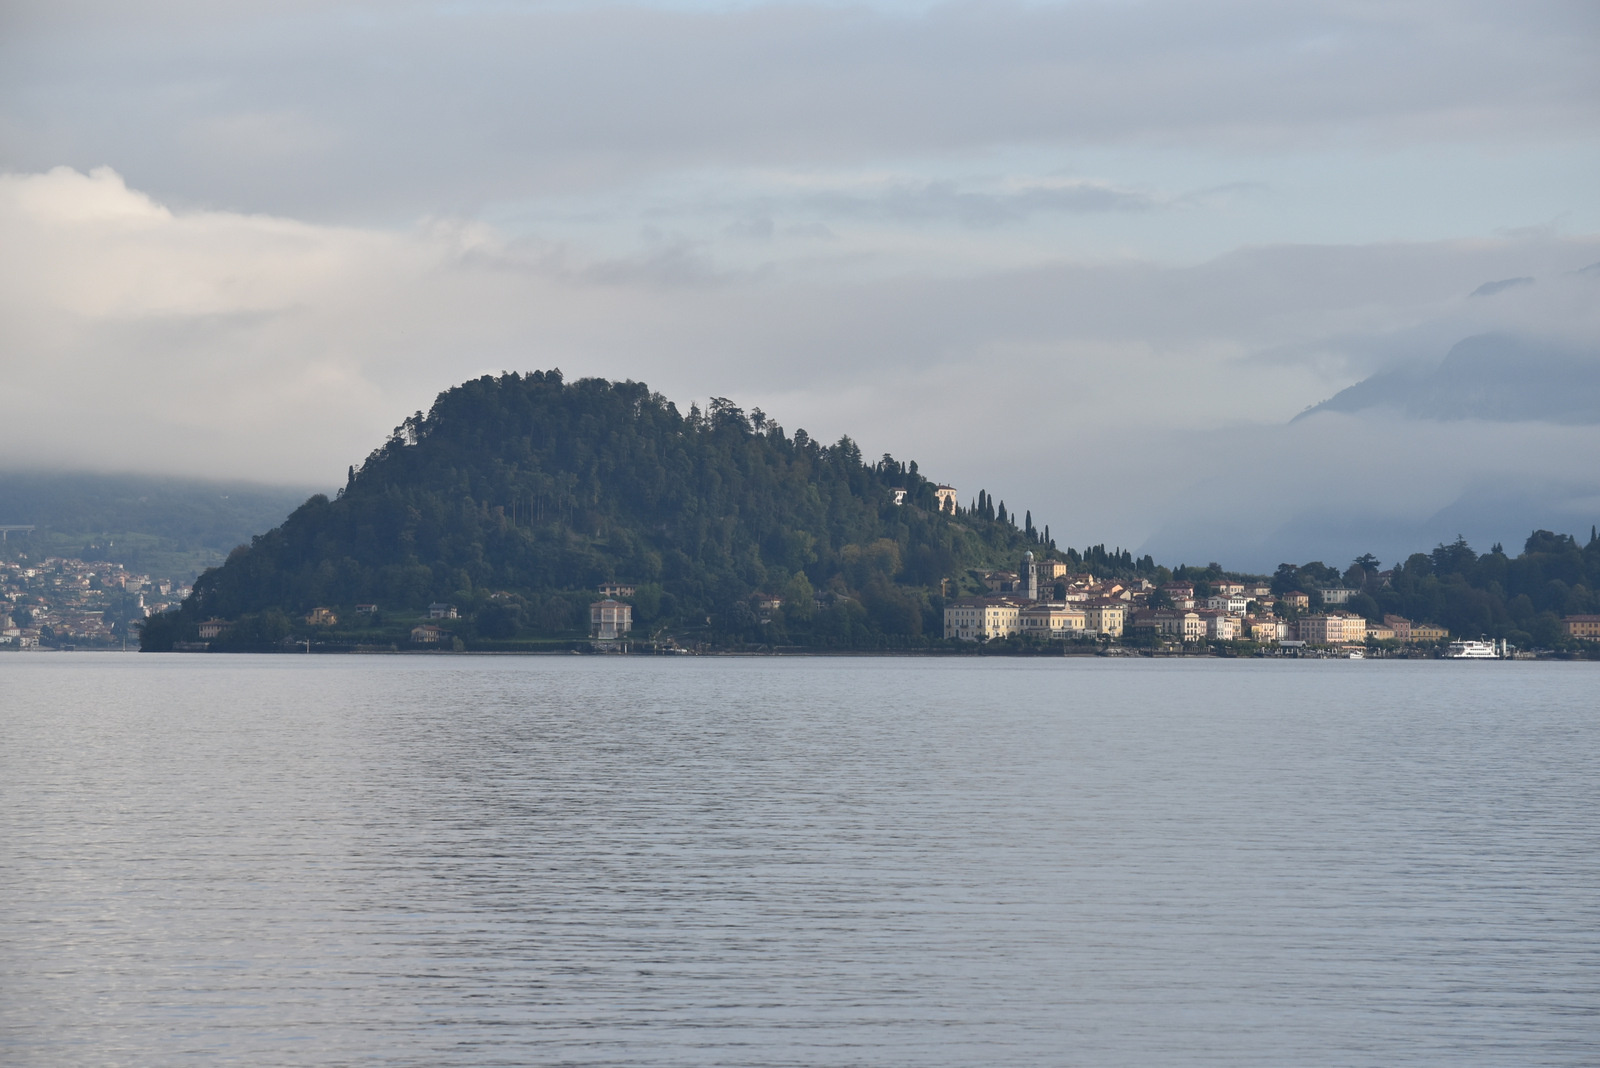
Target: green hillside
(514, 497)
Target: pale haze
(1094, 258)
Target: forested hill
(515, 496)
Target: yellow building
(1428, 632)
(1050, 570)
(974, 619)
(1105, 617)
(1586, 628)
(1335, 628)
(1264, 631)
(1052, 622)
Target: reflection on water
(469, 860)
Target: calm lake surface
(602, 861)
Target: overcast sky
(1093, 257)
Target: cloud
(1344, 484)
(917, 202)
(366, 107)
(1107, 396)
(1492, 377)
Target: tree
(1543, 541)
(1456, 558)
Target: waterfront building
(1054, 622)
(973, 619)
(1186, 626)
(1264, 631)
(1105, 616)
(610, 619)
(1584, 628)
(1400, 625)
(1333, 628)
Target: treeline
(515, 496)
(1521, 599)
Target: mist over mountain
(1493, 377)
(173, 525)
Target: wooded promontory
(515, 497)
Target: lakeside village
(66, 604)
(1043, 601)
(62, 603)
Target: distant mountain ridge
(1494, 377)
(173, 525)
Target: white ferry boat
(1470, 650)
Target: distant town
(61, 603)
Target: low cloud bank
(1121, 401)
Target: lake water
(922, 862)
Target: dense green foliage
(1521, 599)
(515, 496)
